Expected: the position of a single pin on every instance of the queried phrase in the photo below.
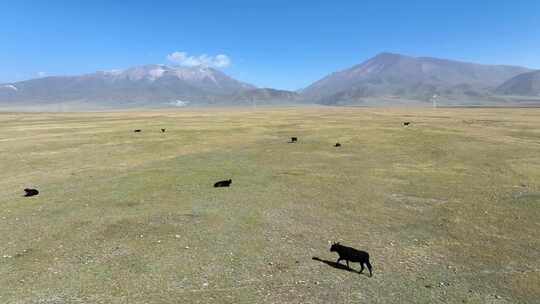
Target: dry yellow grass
(449, 208)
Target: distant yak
(137, 130)
(30, 192)
(406, 123)
(352, 255)
(337, 145)
(294, 139)
(223, 183)
(162, 130)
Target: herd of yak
(347, 254)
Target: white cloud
(42, 74)
(222, 61)
(183, 59)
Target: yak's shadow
(334, 264)
(338, 265)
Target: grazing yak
(223, 183)
(162, 130)
(352, 255)
(294, 139)
(137, 130)
(30, 192)
(337, 145)
(406, 123)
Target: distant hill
(143, 85)
(526, 84)
(419, 78)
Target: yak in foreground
(223, 183)
(30, 192)
(350, 254)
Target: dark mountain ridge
(526, 84)
(395, 75)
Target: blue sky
(281, 44)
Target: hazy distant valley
(384, 80)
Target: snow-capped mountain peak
(9, 87)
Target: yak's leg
(362, 267)
(369, 268)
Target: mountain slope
(264, 95)
(149, 84)
(526, 84)
(402, 76)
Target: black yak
(162, 130)
(30, 192)
(352, 255)
(406, 123)
(223, 183)
(337, 145)
(137, 130)
(294, 139)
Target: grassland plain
(448, 208)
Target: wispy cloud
(41, 74)
(183, 59)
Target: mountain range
(385, 78)
(148, 84)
